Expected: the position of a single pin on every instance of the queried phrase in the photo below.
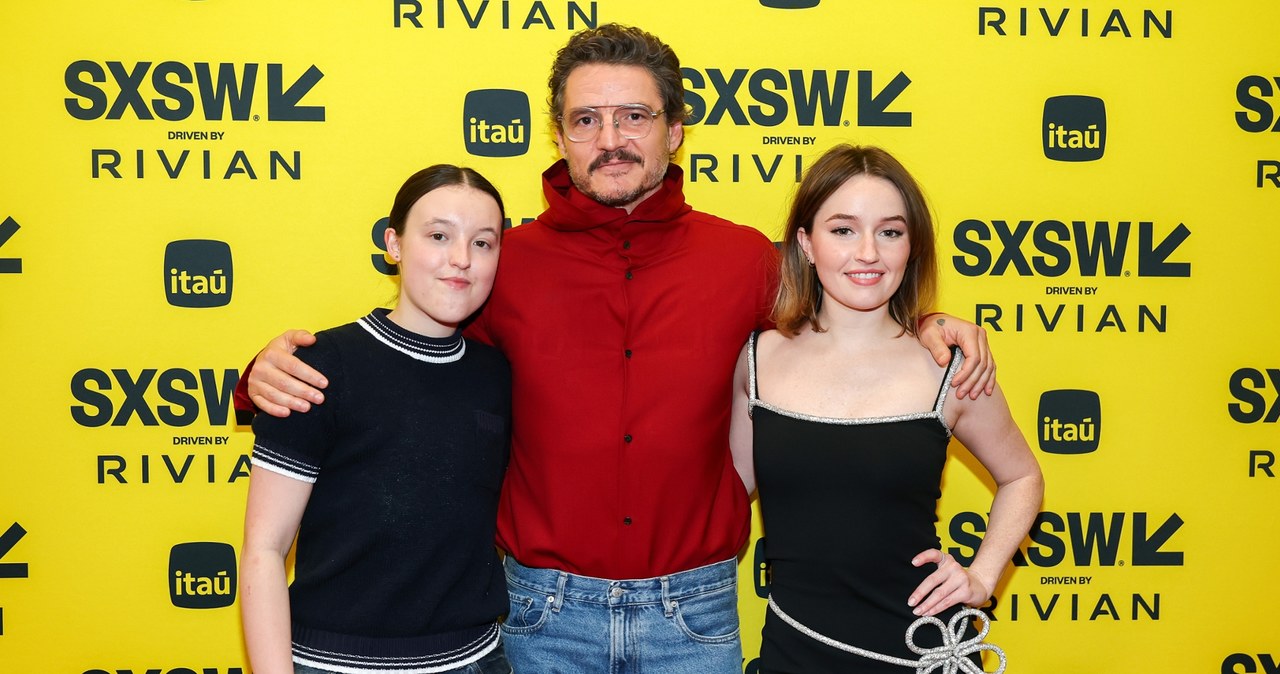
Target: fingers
(265, 406)
(977, 375)
(287, 373)
(969, 380)
(945, 587)
(292, 339)
(279, 382)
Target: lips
(456, 283)
(865, 277)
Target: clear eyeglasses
(632, 121)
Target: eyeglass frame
(653, 115)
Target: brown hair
(433, 178)
(799, 291)
(616, 44)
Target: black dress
(846, 504)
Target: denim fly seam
(683, 622)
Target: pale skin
(863, 365)
(448, 256)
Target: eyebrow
(453, 225)
(854, 218)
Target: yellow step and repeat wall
(182, 180)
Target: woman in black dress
(845, 419)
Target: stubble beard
(652, 179)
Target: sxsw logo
(1244, 663)
(1255, 94)
(495, 123)
(1070, 421)
(1075, 128)
(179, 91)
(202, 575)
(197, 273)
(790, 4)
(1257, 395)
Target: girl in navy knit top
(391, 484)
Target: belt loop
(668, 604)
(558, 602)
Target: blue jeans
(684, 623)
(495, 662)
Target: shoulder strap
(957, 357)
(752, 394)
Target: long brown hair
(799, 291)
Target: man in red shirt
(622, 311)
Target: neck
(848, 325)
(421, 325)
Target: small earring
(811, 262)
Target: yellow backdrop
(182, 180)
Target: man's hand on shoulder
(977, 375)
(279, 382)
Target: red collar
(570, 210)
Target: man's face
(611, 169)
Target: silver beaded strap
(949, 658)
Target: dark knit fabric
(396, 568)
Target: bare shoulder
(769, 339)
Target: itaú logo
(197, 273)
(1075, 128)
(790, 4)
(495, 123)
(1070, 421)
(202, 575)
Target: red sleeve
(245, 409)
(768, 289)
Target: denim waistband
(558, 585)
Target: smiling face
(610, 169)
(859, 245)
(448, 256)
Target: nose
(460, 255)
(610, 138)
(866, 250)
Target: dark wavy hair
(615, 44)
(800, 292)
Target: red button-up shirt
(622, 331)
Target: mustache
(614, 155)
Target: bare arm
(271, 521)
(939, 332)
(988, 431)
(740, 437)
(279, 382)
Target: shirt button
(626, 438)
(626, 245)
(626, 521)
(628, 353)
(628, 274)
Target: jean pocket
(710, 618)
(527, 614)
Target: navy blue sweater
(396, 568)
